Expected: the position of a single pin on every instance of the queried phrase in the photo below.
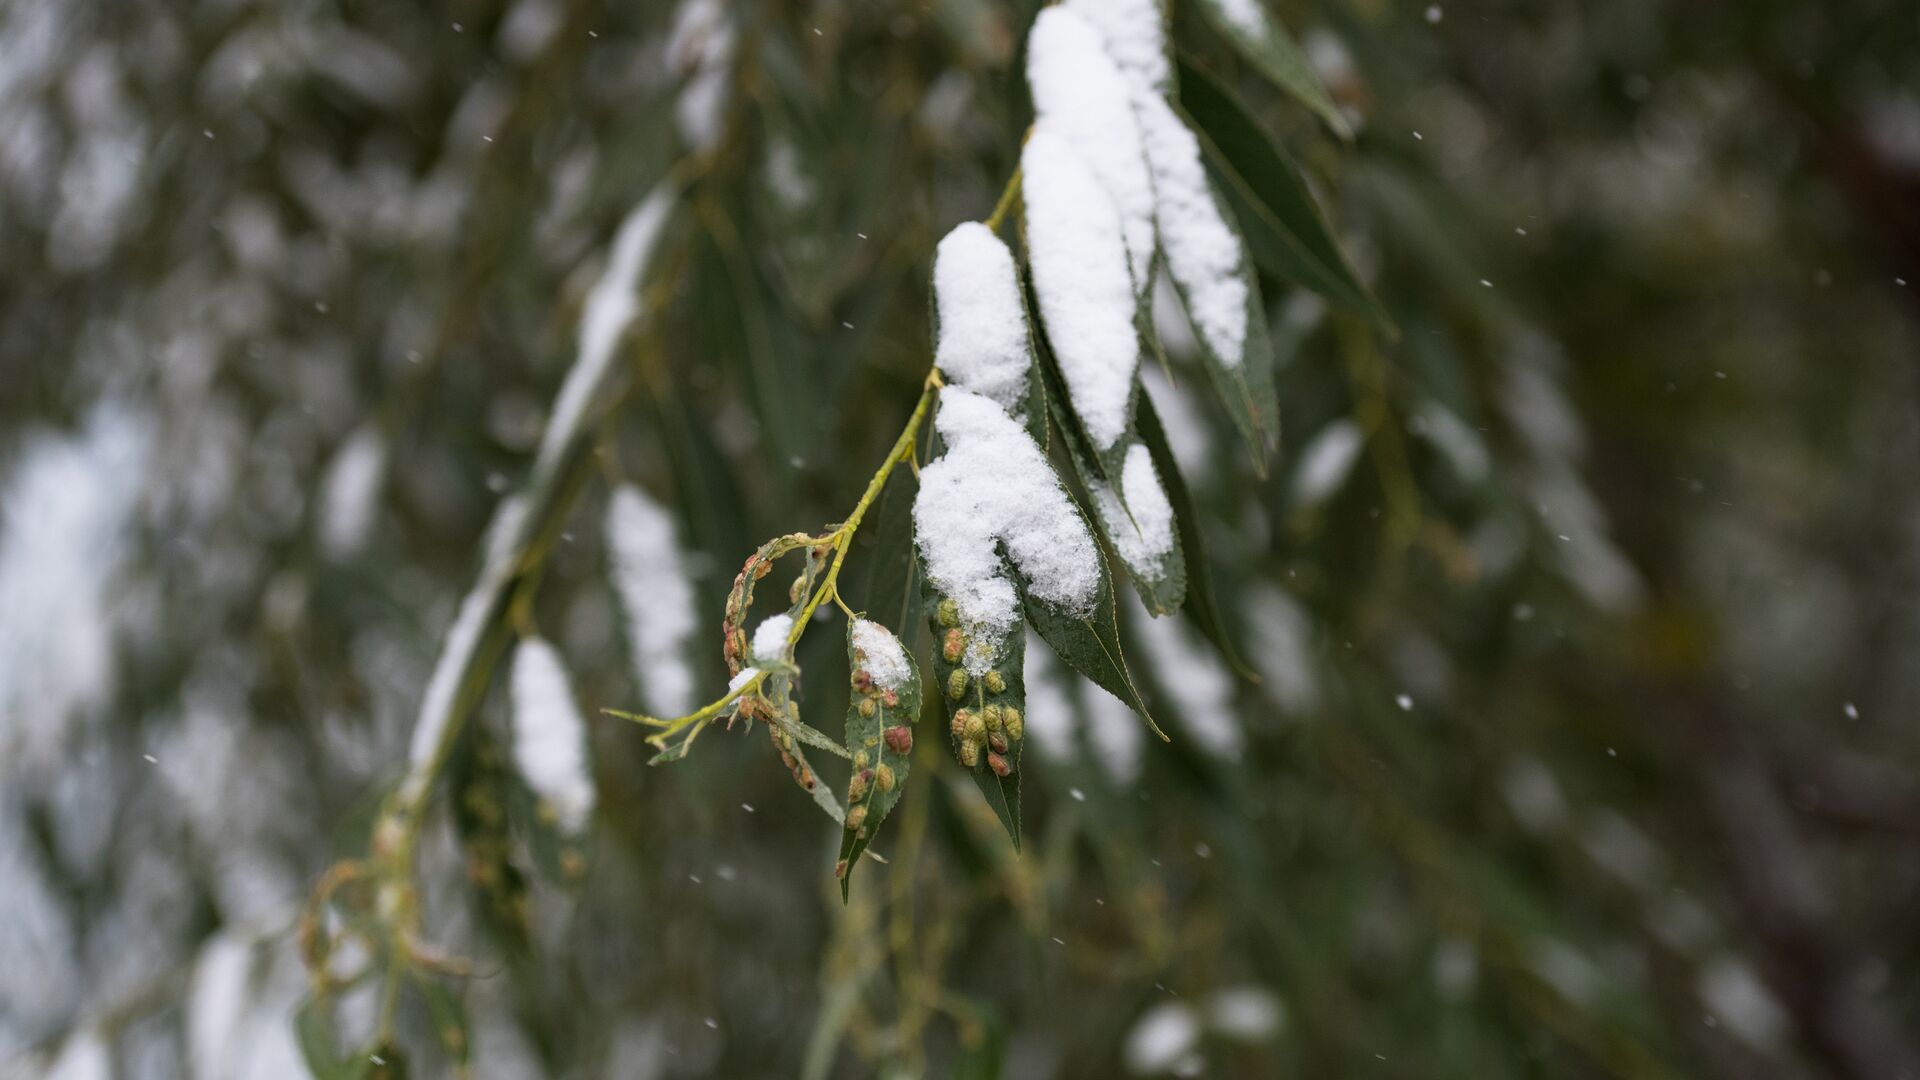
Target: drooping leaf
(319, 1041)
(449, 1013)
(1283, 225)
(778, 697)
(481, 788)
(880, 731)
(986, 714)
(1266, 44)
(1090, 643)
(1245, 382)
(1201, 604)
(1162, 586)
(889, 590)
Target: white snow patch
(880, 653)
(1144, 540)
(217, 1003)
(1080, 95)
(1246, 16)
(770, 638)
(1200, 686)
(1203, 253)
(993, 487)
(741, 678)
(549, 735)
(1136, 37)
(1188, 435)
(656, 590)
(1326, 461)
(1050, 712)
(1080, 277)
(1280, 643)
(610, 308)
(84, 1056)
(351, 492)
(700, 49)
(1249, 1014)
(983, 327)
(1114, 734)
(1163, 1037)
(65, 510)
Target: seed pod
(960, 718)
(840, 870)
(976, 729)
(760, 569)
(890, 698)
(952, 645)
(957, 684)
(883, 778)
(857, 787)
(859, 759)
(999, 765)
(998, 742)
(899, 740)
(996, 683)
(1015, 724)
(796, 590)
(992, 714)
(949, 613)
(862, 681)
(969, 753)
(856, 817)
(867, 707)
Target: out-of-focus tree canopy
(1569, 731)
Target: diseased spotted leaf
(985, 711)
(881, 715)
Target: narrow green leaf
(889, 590)
(1161, 587)
(1266, 44)
(449, 1013)
(1244, 382)
(986, 715)
(319, 1041)
(1201, 605)
(1090, 644)
(1283, 226)
(777, 690)
(880, 723)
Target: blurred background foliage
(1582, 608)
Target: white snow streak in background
(65, 513)
(549, 735)
(350, 494)
(700, 50)
(650, 574)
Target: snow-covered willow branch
(514, 538)
(549, 732)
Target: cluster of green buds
(991, 729)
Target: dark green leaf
(1282, 224)
(1201, 605)
(890, 588)
(319, 1041)
(880, 764)
(1090, 644)
(1244, 382)
(1267, 45)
